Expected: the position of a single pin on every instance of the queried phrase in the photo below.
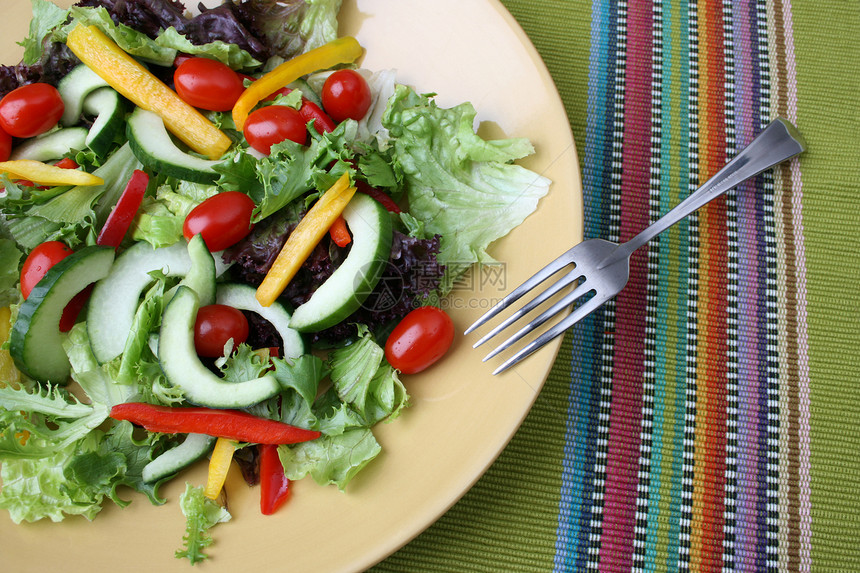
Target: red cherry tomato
(30, 110)
(420, 339)
(207, 84)
(273, 124)
(346, 94)
(5, 145)
(215, 325)
(223, 220)
(39, 261)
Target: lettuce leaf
(201, 515)
(365, 382)
(459, 185)
(330, 459)
(226, 53)
(35, 489)
(130, 40)
(291, 27)
(290, 170)
(47, 17)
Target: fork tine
(553, 333)
(562, 261)
(531, 305)
(580, 290)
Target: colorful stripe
(687, 441)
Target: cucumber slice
(115, 298)
(194, 447)
(35, 342)
(51, 146)
(109, 109)
(153, 147)
(74, 89)
(243, 297)
(183, 368)
(345, 290)
(201, 276)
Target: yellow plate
(462, 417)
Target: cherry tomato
(5, 145)
(39, 261)
(273, 124)
(223, 220)
(346, 95)
(420, 339)
(207, 84)
(30, 110)
(215, 325)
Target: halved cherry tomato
(215, 325)
(420, 339)
(223, 220)
(273, 124)
(5, 145)
(346, 95)
(31, 109)
(207, 84)
(37, 264)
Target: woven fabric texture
(708, 419)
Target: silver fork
(603, 267)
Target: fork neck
(776, 143)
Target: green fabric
(828, 51)
(508, 520)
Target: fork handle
(777, 142)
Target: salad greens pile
(60, 452)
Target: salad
(222, 238)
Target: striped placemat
(709, 418)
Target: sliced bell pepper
(380, 196)
(341, 51)
(309, 111)
(231, 424)
(340, 232)
(45, 174)
(312, 112)
(127, 76)
(310, 230)
(120, 218)
(219, 465)
(274, 485)
(8, 373)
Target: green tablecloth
(710, 417)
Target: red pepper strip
(274, 485)
(312, 112)
(67, 163)
(309, 111)
(233, 424)
(64, 163)
(339, 232)
(380, 196)
(119, 220)
(73, 309)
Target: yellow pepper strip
(219, 465)
(307, 234)
(341, 51)
(46, 174)
(127, 76)
(9, 375)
